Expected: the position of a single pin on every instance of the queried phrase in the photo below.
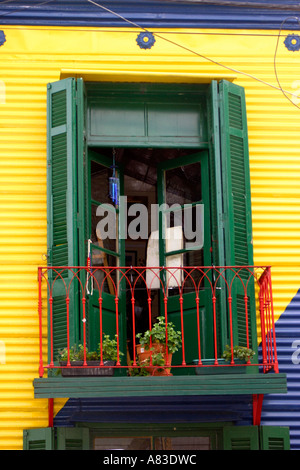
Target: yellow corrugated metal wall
(33, 56)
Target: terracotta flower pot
(144, 358)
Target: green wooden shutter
(216, 203)
(56, 439)
(62, 202)
(240, 438)
(274, 438)
(237, 203)
(215, 175)
(73, 439)
(83, 222)
(236, 176)
(38, 439)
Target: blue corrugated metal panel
(157, 410)
(150, 14)
(284, 410)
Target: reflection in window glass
(100, 182)
(160, 443)
(183, 184)
(104, 227)
(104, 279)
(182, 443)
(194, 259)
(122, 443)
(190, 280)
(186, 226)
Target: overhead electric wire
(275, 57)
(158, 35)
(279, 88)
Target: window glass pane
(182, 443)
(104, 227)
(100, 182)
(183, 184)
(104, 279)
(122, 443)
(196, 276)
(184, 228)
(189, 280)
(193, 258)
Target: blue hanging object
(114, 189)
(114, 183)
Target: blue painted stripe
(148, 14)
(156, 410)
(284, 410)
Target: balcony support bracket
(50, 412)
(257, 408)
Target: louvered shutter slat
(240, 438)
(237, 207)
(62, 204)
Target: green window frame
(222, 436)
(231, 224)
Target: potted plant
(137, 370)
(109, 349)
(93, 358)
(241, 353)
(155, 348)
(241, 356)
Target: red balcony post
(198, 330)
(101, 330)
(84, 330)
(68, 328)
(182, 329)
(215, 328)
(51, 329)
(117, 328)
(150, 322)
(268, 324)
(246, 321)
(231, 328)
(133, 325)
(276, 369)
(166, 323)
(262, 321)
(41, 365)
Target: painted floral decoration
(292, 42)
(145, 40)
(2, 38)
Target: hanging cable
(189, 50)
(275, 57)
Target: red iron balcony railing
(211, 308)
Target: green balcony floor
(229, 384)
